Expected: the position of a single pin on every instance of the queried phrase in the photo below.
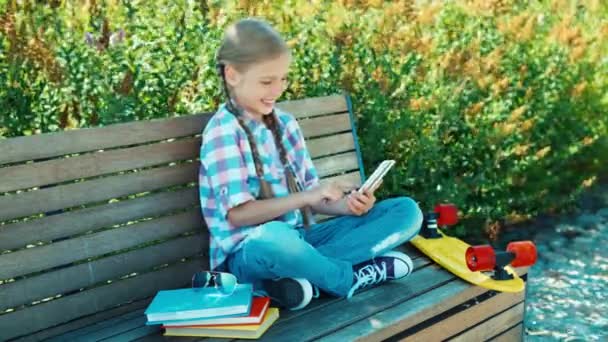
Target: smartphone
(377, 175)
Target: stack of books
(206, 312)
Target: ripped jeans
(325, 253)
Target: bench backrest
(93, 219)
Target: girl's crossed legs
(325, 253)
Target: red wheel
(447, 214)
(525, 253)
(480, 258)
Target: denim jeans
(325, 253)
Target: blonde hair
(245, 43)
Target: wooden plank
(36, 259)
(18, 235)
(134, 334)
(488, 328)
(125, 330)
(408, 314)
(83, 333)
(404, 316)
(333, 144)
(97, 190)
(337, 164)
(325, 125)
(314, 106)
(37, 317)
(55, 333)
(343, 313)
(465, 319)
(92, 139)
(349, 178)
(25, 176)
(68, 279)
(515, 334)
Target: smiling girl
(259, 189)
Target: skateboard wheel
(480, 258)
(447, 214)
(525, 253)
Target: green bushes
(497, 106)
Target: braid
(272, 123)
(265, 189)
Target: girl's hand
(327, 192)
(360, 203)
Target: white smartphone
(377, 175)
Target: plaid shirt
(227, 174)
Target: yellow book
(229, 331)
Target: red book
(259, 306)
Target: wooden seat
(95, 221)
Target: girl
(259, 187)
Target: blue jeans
(325, 253)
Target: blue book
(191, 303)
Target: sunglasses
(224, 283)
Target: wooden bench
(96, 221)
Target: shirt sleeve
(225, 168)
(305, 169)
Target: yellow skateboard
(473, 263)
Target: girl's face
(258, 87)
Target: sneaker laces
(368, 275)
(315, 291)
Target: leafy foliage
(498, 106)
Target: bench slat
(314, 106)
(470, 317)
(364, 304)
(96, 164)
(98, 326)
(487, 329)
(36, 259)
(348, 177)
(83, 275)
(91, 301)
(408, 314)
(325, 125)
(91, 139)
(97, 190)
(337, 164)
(59, 170)
(513, 334)
(87, 322)
(125, 330)
(333, 144)
(18, 235)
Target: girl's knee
(412, 209)
(408, 210)
(275, 241)
(406, 205)
(272, 232)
